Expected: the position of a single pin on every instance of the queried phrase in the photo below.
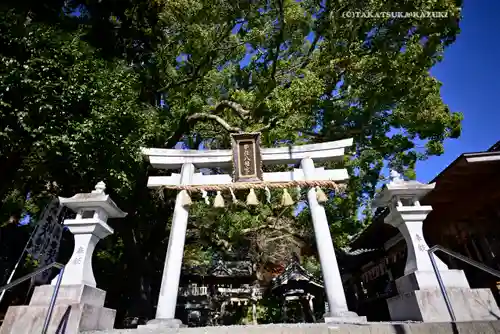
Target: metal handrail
(458, 256)
(54, 294)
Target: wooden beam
(484, 157)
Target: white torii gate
(188, 160)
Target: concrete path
(478, 327)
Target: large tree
(69, 119)
(79, 94)
(303, 71)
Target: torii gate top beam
(174, 159)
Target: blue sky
(471, 83)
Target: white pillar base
(346, 317)
(163, 323)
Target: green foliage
(268, 310)
(312, 265)
(80, 95)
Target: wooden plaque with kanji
(247, 159)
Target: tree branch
(311, 49)
(279, 39)
(243, 113)
(187, 122)
(273, 227)
(202, 116)
(206, 61)
(272, 123)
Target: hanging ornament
(184, 198)
(252, 198)
(219, 200)
(204, 194)
(320, 195)
(268, 195)
(233, 196)
(286, 199)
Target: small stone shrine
(80, 304)
(299, 291)
(420, 298)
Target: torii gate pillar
(329, 266)
(187, 160)
(167, 301)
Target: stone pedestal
(420, 299)
(78, 308)
(428, 305)
(422, 280)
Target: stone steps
(476, 327)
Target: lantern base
(77, 308)
(429, 306)
(425, 279)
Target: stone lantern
(89, 226)
(420, 298)
(80, 304)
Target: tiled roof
(294, 272)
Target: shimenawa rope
(256, 185)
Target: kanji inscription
(421, 246)
(246, 157)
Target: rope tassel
(184, 198)
(219, 200)
(252, 198)
(320, 195)
(286, 199)
(233, 196)
(204, 194)
(268, 195)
